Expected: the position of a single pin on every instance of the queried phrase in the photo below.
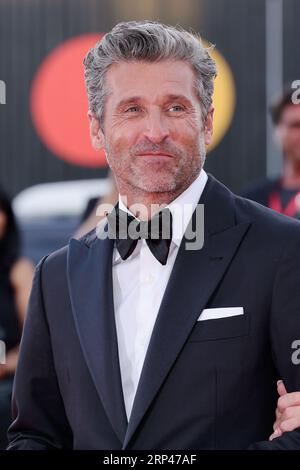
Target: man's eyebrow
(173, 97)
(130, 99)
(138, 99)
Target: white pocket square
(213, 313)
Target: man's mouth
(155, 156)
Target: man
(283, 194)
(160, 343)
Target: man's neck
(144, 205)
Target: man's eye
(132, 109)
(176, 108)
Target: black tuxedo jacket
(204, 385)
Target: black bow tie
(127, 230)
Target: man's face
(288, 132)
(153, 131)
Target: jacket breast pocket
(221, 328)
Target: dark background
(30, 29)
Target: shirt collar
(182, 208)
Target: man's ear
(96, 133)
(209, 126)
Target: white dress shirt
(139, 283)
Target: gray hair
(147, 41)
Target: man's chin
(157, 186)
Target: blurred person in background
(90, 219)
(283, 193)
(15, 282)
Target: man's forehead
(135, 79)
(145, 65)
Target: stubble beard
(158, 178)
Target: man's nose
(156, 128)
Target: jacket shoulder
(58, 259)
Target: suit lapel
(91, 291)
(183, 301)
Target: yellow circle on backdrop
(223, 99)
